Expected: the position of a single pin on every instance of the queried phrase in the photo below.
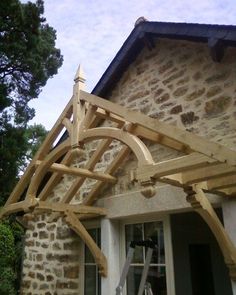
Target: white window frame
(167, 245)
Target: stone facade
(51, 259)
(178, 83)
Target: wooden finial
(79, 76)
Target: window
(157, 270)
(92, 279)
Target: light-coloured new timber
(63, 169)
(55, 178)
(78, 209)
(192, 161)
(92, 196)
(77, 226)
(201, 204)
(202, 166)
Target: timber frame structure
(205, 167)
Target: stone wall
(178, 83)
(51, 257)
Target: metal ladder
(144, 285)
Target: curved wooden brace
(77, 227)
(68, 125)
(201, 204)
(44, 167)
(140, 150)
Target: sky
(90, 33)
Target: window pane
(157, 279)
(99, 283)
(133, 279)
(96, 235)
(154, 231)
(90, 280)
(134, 232)
(88, 256)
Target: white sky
(90, 32)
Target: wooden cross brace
(200, 203)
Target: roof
(217, 36)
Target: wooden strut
(78, 228)
(200, 203)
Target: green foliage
(6, 245)
(7, 260)
(17, 148)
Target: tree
(28, 58)
(17, 149)
(7, 257)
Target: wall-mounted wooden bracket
(200, 203)
(217, 49)
(78, 227)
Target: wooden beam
(102, 147)
(78, 209)
(194, 160)
(229, 191)
(55, 178)
(78, 228)
(144, 132)
(201, 204)
(192, 141)
(63, 169)
(206, 173)
(17, 207)
(55, 154)
(133, 142)
(93, 194)
(21, 185)
(89, 116)
(222, 182)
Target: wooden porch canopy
(205, 167)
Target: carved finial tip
(79, 76)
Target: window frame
(165, 219)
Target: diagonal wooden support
(201, 204)
(78, 227)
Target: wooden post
(78, 106)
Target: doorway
(201, 269)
